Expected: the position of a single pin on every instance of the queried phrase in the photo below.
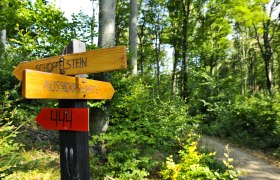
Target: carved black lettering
(54, 116)
(63, 87)
(68, 117)
(89, 89)
(82, 89)
(73, 87)
(48, 67)
(68, 64)
(78, 63)
(37, 67)
(42, 67)
(53, 66)
(57, 65)
(96, 89)
(51, 86)
(46, 85)
(78, 88)
(67, 86)
(61, 65)
(83, 62)
(61, 117)
(56, 86)
(73, 63)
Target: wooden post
(74, 148)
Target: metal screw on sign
(61, 59)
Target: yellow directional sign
(42, 85)
(95, 61)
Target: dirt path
(256, 168)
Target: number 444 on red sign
(72, 119)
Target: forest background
(224, 81)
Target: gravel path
(257, 169)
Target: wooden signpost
(95, 61)
(42, 85)
(71, 119)
(67, 119)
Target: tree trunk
(92, 24)
(266, 52)
(174, 71)
(141, 37)
(250, 70)
(186, 13)
(133, 36)
(158, 32)
(106, 38)
(3, 37)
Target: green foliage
(36, 164)
(9, 148)
(82, 28)
(143, 131)
(40, 30)
(9, 155)
(196, 165)
(37, 29)
(252, 121)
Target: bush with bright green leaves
(252, 121)
(144, 129)
(195, 165)
(13, 113)
(9, 148)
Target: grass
(37, 164)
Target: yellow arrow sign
(42, 85)
(95, 61)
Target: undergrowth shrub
(195, 165)
(252, 121)
(15, 114)
(9, 148)
(144, 130)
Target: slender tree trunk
(267, 56)
(255, 71)
(133, 36)
(278, 72)
(186, 14)
(141, 37)
(212, 65)
(3, 37)
(119, 19)
(142, 56)
(158, 50)
(92, 25)
(175, 63)
(251, 61)
(266, 52)
(106, 38)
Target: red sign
(71, 119)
